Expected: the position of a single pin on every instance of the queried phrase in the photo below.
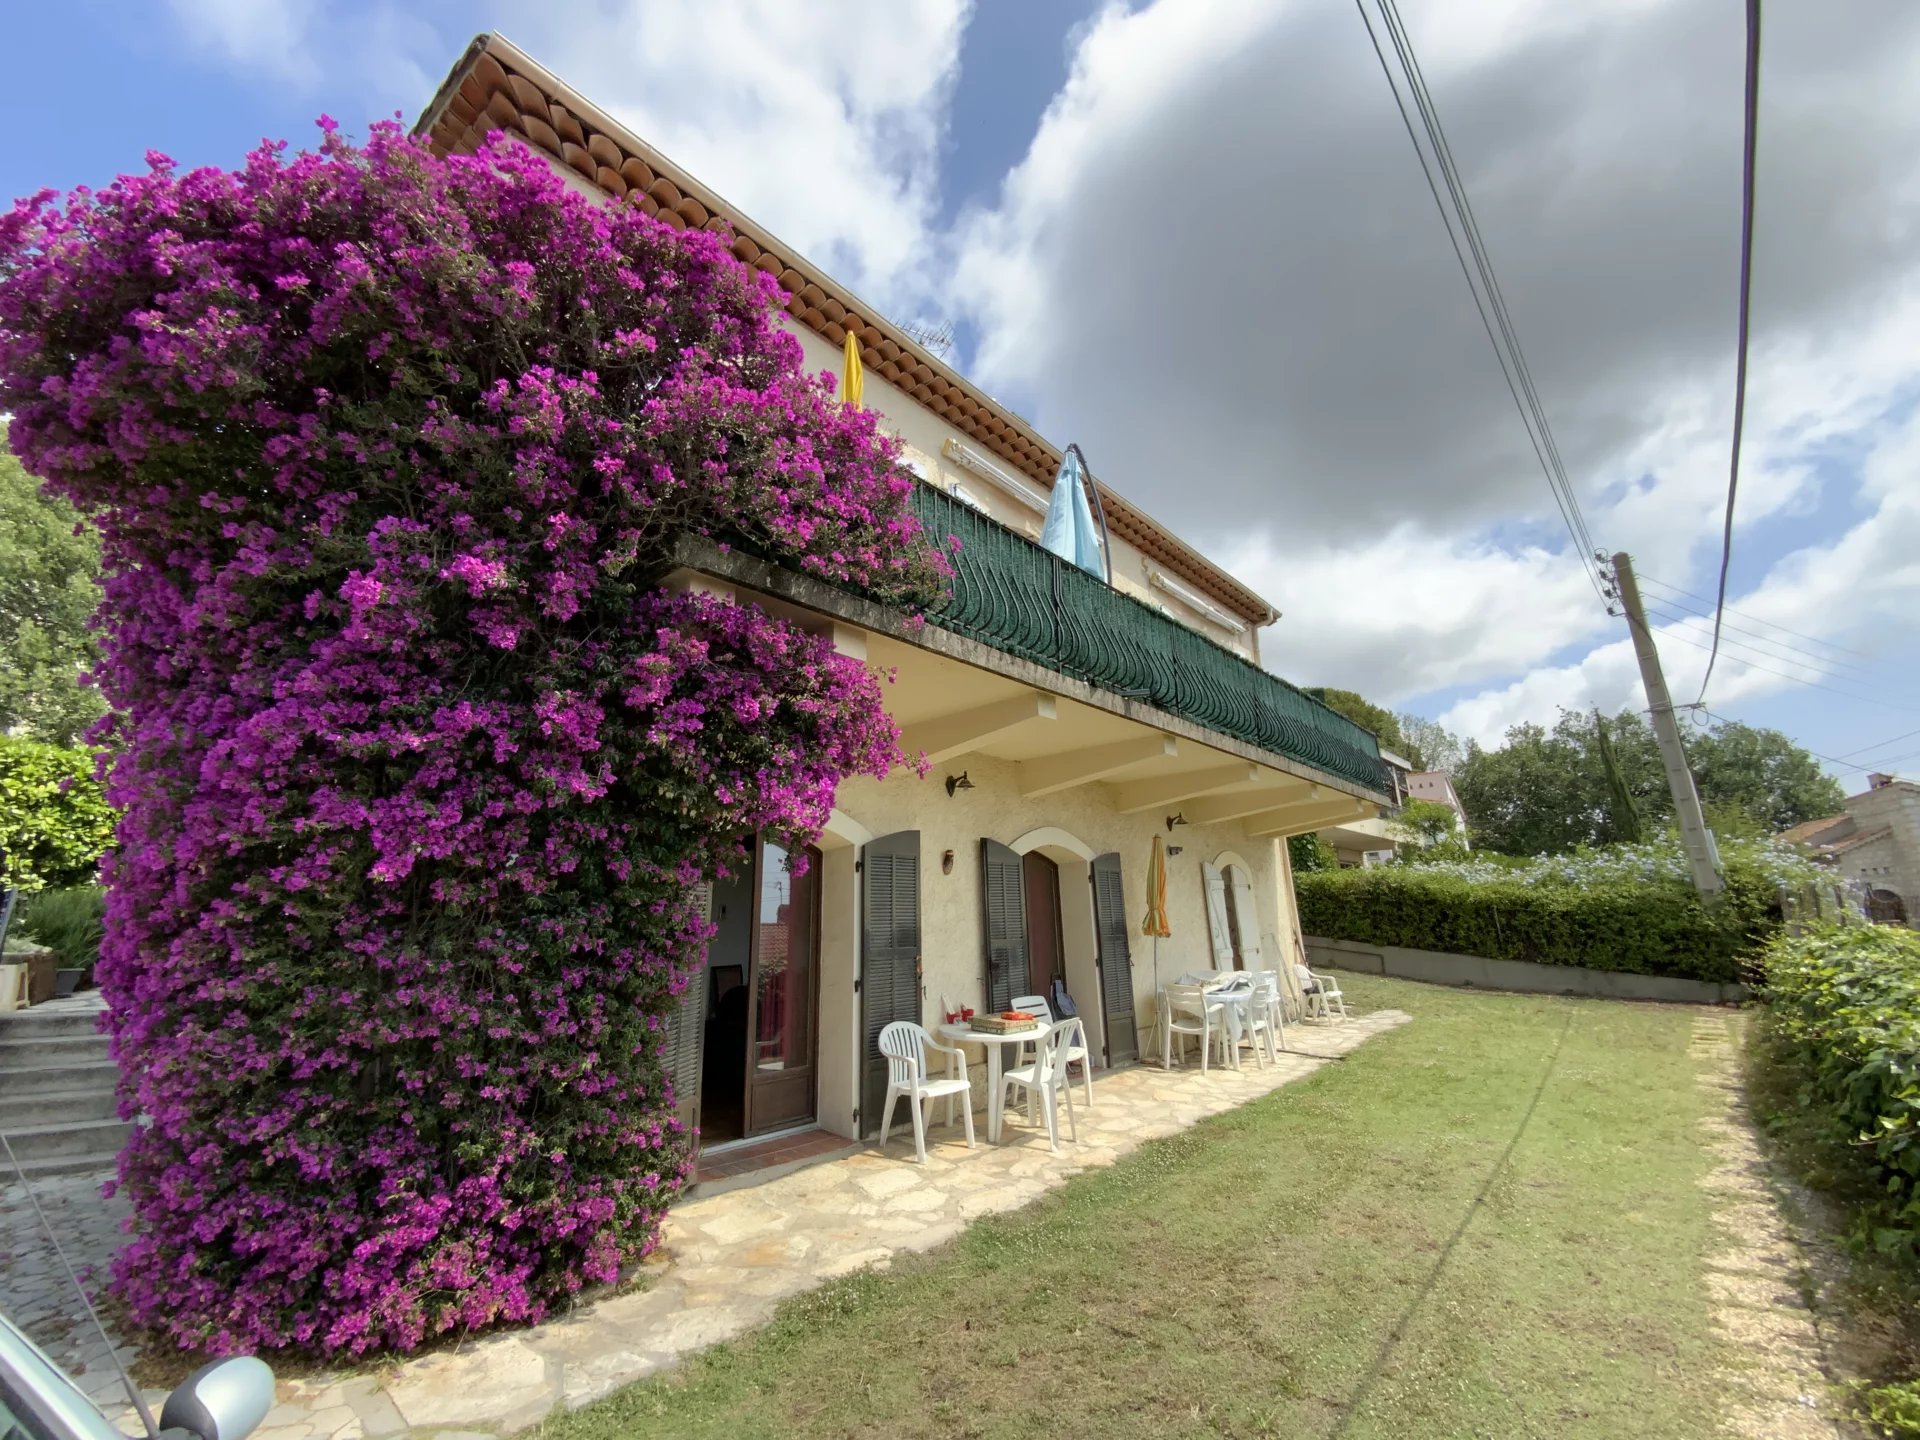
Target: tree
(421, 765)
(1762, 774)
(1426, 822)
(1546, 791)
(1308, 853)
(49, 587)
(54, 822)
(1429, 744)
(1621, 810)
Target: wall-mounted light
(946, 862)
(1173, 850)
(1173, 820)
(958, 782)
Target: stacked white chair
(1077, 1051)
(1045, 1080)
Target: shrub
(54, 820)
(68, 922)
(419, 764)
(1627, 908)
(1843, 1023)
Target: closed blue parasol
(1070, 531)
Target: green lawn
(1405, 1245)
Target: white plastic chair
(1322, 993)
(1045, 1081)
(1256, 1024)
(1077, 1049)
(906, 1046)
(1184, 1010)
(1266, 985)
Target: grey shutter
(889, 956)
(686, 1030)
(1004, 898)
(1116, 960)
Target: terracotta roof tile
(495, 86)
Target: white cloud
(1218, 267)
(382, 56)
(823, 121)
(267, 37)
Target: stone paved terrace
(727, 1259)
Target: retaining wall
(1478, 972)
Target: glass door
(783, 1021)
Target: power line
(1758, 644)
(1746, 297)
(1513, 372)
(1757, 619)
(1881, 745)
(1835, 759)
(1801, 679)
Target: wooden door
(1004, 909)
(889, 956)
(1041, 879)
(783, 988)
(1116, 960)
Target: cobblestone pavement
(727, 1260)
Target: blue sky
(1192, 237)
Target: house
(1874, 842)
(1066, 723)
(1373, 841)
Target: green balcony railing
(1009, 593)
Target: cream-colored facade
(1068, 784)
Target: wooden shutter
(1218, 926)
(1246, 918)
(1004, 898)
(686, 1030)
(889, 956)
(1116, 960)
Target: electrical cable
(1757, 646)
(1801, 680)
(1576, 525)
(1746, 298)
(1747, 615)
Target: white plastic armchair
(1185, 1010)
(906, 1046)
(1045, 1081)
(1268, 993)
(1076, 1044)
(1322, 993)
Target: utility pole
(1702, 855)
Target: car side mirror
(226, 1400)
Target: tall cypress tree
(1624, 814)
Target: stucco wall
(951, 926)
(925, 435)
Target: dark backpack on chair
(1061, 1001)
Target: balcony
(1010, 594)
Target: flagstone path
(728, 1260)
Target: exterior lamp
(958, 782)
(1173, 820)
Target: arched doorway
(1885, 907)
(1233, 919)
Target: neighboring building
(1373, 841)
(1876, 842)
(1067, 724)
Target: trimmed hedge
(1627, 912)
(1844, 1028)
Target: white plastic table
(1231, 992)
(964, 1034)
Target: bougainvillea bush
(419, 758)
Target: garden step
(50, 1142)
(35, 1106)
(102, 1163)
(61, 1078)
(37, 1024)
(50, 1050)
